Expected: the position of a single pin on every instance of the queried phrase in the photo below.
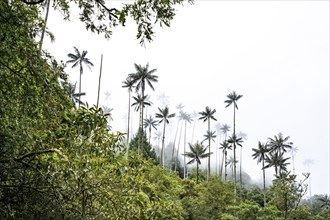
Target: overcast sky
(274, 53)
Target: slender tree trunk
(80, 84)
(163, 143)
(178, 150)
(128, 121)
(234, 134)
(98, 91)
(209, 157)
(45, 25)
(193, 132)
(264, 179)
(184, 148)
(240, 173)
(293, 169)
(173, 150)
(197, 172)
(226, 166)
(221, 164)
(141, 122)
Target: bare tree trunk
(45, 25)
(98, 91)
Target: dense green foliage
(58, 161)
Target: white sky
(274, 53)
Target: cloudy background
(274, 53)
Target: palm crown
(207, 114)
(142, 76)
(79, 59)
(232, 99)
(197, 152)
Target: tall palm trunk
(221, 164)
(81, 71)
(234, 135)
(98, 90)
(128, 121)
(45, 25)
(225, 165)
(264, 179)
(173, 150)
(240, 173)
(209, 157)
(141, 122)
(193, 131)
(163, 143)
(197, 173)
(184, 148)
(150, 133)
(293, 169)
(178, 150)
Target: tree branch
(32, 154)
(33, 3)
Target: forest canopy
(62, 161)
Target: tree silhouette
(164, 115)
(233, 141)
(325, 201)
(140, 102)
(142, 77)
(293, 152)
(79, 59)
(277, 160)
(232, 100)
(150, 123)
(225, 147)
(260, 155)
(128, 83)
(279, 143)
(197, 152)
(243, 137)
(207, 115)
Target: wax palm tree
(187, 119)
(44, 26)
(197, 152)
(225, 146)
(108, 112)
(231, 163)
(277, 160)
(207, 115)
(128, 83)
(280, 144)
(308, 162)
(163, 98)
(325, 201)
(209, 135)
(243, 137)
(225, 128)
(234, 141)
(218, 131)
(140, 102)
(176, 159)
(164, 115)
(142, 77)
(232, 100)
(194, 117)
(150, 123)
(179, 107)
(79, 59)
(260, 155)
(157, 137)
(75, 97)
(293, 152)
